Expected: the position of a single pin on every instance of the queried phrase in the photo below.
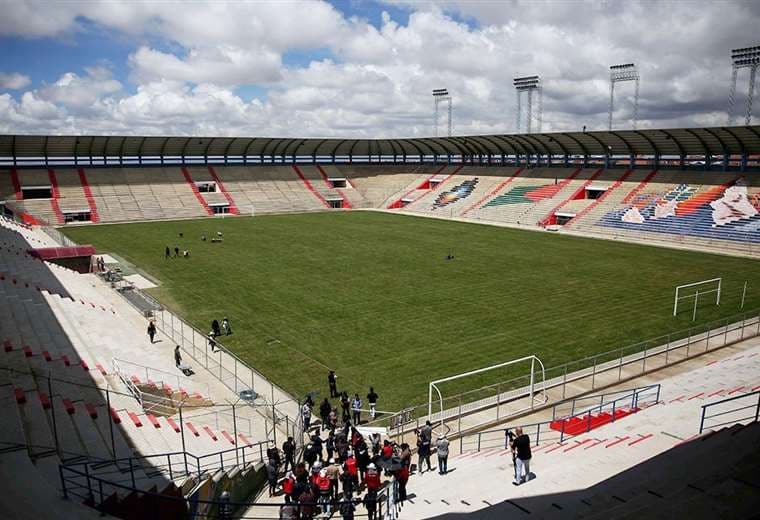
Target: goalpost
(532, 388)
(710, 286)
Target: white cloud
(14, 81)
(190, 58)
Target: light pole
(529, 85)
(620, 73)
(744, 58)
(440, 95)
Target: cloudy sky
(358, 68)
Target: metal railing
(556, 428)
(496, 402)
(278, 408)
(730, 411)
(82, 481)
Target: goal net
(530, 383)
(697, 291)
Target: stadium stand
(80, 384)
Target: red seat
(210, 433)
(66, 360)
(115, 416)
(28, 351)
(244, 439)
(69, 406)
(47, 356)
(84, 365)
(135, 419)
(153, 420)
(44, 400)
(91, 410)
(174, 426)
(192, 429)
(20, 395)
(228, 437)
(7, 345)
(102, 370)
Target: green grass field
(371, 295)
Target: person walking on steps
(442, 450)
(521, 454)
(151, 331)
(324, 413)
(289, 450)
(177, 357)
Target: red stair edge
(55, 196)
(346, 202)
(94, 217)
(197, 193)
(309, 186)
(233, 208)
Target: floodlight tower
(625, 72)
(744, 58)
(440, 95)
(529, 85)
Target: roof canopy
(680, 141)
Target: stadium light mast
(529, 85)
(620, 73)
(440, 95)
(744, 58)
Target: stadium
(188, 319)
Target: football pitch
(372, 296)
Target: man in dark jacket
(521, 454)
(333, 383)
(324, 412)
(289, 450)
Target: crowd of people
(341, 469)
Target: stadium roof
(679, 141)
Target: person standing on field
(226, 326)
(151, 331)
(356, 408)
(372, 400)
(168, 253)
(332, 380)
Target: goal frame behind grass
(531, 388)
(698, 292)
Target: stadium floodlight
(620, 73)
(529, 85)
(744, 58)
(440, 95)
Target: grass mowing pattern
(371, 295)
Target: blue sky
(309, 67)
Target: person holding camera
(521, 456)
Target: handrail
(636, 398)
(386, 495)
(707, 406)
